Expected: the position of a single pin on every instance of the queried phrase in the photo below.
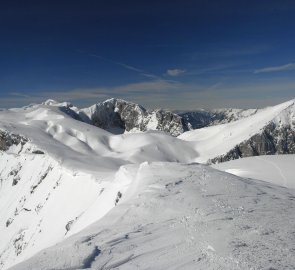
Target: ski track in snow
(277, 168)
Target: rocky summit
(118, 116)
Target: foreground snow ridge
(197, 218)
(75, 196)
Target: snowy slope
(218, 140)
(65, 175)
(59, 175)
(71, 142)
(277, 169)
(195, 218)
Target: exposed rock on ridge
(7, 140)
(278, 137)
(271, 141)
(117, 116)
(204, 118)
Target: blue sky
(174, 54)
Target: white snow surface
(95, 200)
(276, 169)
(195, 218)
(74, 183)
(218, 140)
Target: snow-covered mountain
(75, 196)
(118, 116)
(268, 131)
(270, 137)
(204, 118)
(59, 174)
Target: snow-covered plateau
(73, 195)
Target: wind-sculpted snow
(71, 142)
(42, 202)
(60, 174)
(195, 218)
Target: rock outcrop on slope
(271, 141)
(59, 175)
(277, 137)
(7, 140)
(118, 116)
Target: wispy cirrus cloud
(286, 67)
(123, 65)
(170, 94)
(175, 72)
(86, 95)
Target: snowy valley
(117, 186)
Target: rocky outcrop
(272, 140)
(7, 140)
(168, 122)
(103, 115)
(204, 118)
(118, 116)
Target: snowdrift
(75, 196)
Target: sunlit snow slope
(150, 205)
(68, 175)
(276, 169)
(184, 217)
(219, 140)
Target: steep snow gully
(75, 196)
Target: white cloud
(290, 66)
(175, 72)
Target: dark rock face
(67, 110)
(103, 115)
(7, 140)
(199, 119)
(169, 122)
(272, 140)
(117, 116)
(204, 118)
(130, 114)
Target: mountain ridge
(59, 174)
